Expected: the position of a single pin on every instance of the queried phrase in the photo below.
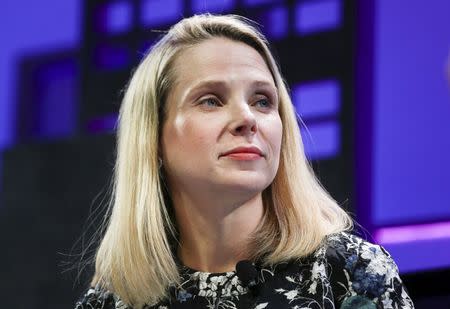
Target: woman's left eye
(265, 103)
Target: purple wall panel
(411, 163)
(322, 140)
(420, 255)
(115, 17)
(212, 6)
(317, 99)
(260, 2)
(317, 16)
(57, 100)
(30, 27)
(154, 12)
(412, 112)
(276, 23)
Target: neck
(214, 235)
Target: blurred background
(369, 79)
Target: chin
(246, 185)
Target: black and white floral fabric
(346, 272)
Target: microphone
(248, 274)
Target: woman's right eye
(210, 102)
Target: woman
(214, 204)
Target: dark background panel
(50, 189)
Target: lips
(244, 149)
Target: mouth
(244, 156)
(252, 150)
(244, 153)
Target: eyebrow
(224, 85)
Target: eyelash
(270, 104)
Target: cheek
(276, 135)
(185, 136)
(277, 138)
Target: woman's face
(224, 97)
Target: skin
(224, 96)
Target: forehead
(220, 59)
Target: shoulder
(359, 257)
(341, 247)
(97, 298)
(361, 271)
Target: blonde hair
(135, 259)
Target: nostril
(246, 129)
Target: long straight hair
(135, 259)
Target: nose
(243, 120)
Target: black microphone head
(246, 271)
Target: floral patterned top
(346, 272)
